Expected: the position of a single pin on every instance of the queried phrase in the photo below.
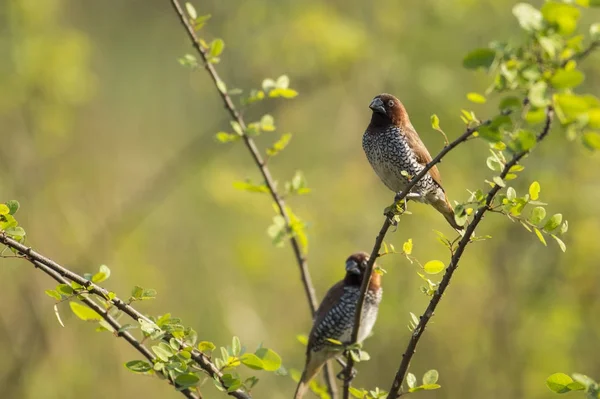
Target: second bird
(393, 146)
(335, 318)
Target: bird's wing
(332, 298)
(422, 155)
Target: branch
(395, 391)
(382, 233)
(111, 321)
(60, 273)
(266, 174)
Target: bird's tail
(443, 206)
(312, 368)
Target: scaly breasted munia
(393, 146)
(335, 318)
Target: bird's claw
(342, 375)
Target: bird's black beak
(377, 106)
(352, 267)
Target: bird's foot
(342, 375)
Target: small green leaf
(539, 235)
(510, 102)
(498, 180)
(53, 294)
(558, 382)
(15, 231)
(595, 30)
(102, 275)
(553, 222)
(435, 122)
(285, 93)
(591, 140)
(407, 247)
(430, 377)
(279, 145)
(434, 266)
(567, 79)
(537, 215)
(191, 11)
(430, 387)
(283, 82)
(252, 361)
(84, 312)
(534, 190)
(271, 360)
(411, 380)
(476, 98)
(138, 366)
(479, 58)
(225, 137)
(560, 243)
(528, 16)
(187, 380)
(4, 209)
(13, 205)
(537, 94)
(511, 194)
(216, 47)
(236, 346)
(162, 352)
(64, 289)
(206, 346)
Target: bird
(396, 153)
(334, 318)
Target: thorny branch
(379, 241)
(63, 275)
(266, 174)
(395, 391)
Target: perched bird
(393, 146)
(335, 318)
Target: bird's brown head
(387, 110)
(356, 267)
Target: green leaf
(53, 294)
(64, 289)
(13, 205)
(562, 15)
(558, 382)
(430, 377)
(267, 123)
(430, 387)
(236, 346)
(537, 215)
(534, 190)
(283, 82)
(4, 209)
(411, 380)
(279, 145)
(476, 98)
(511, 194)
(537, 94)
(528, 16)
(15, 231)
(524, 140)
(434, 266)
(479, 58)
(138, 366)
(187, 380)
(84, 312)
(560, 243)
(564, 227)
(191, 11)
(498, 180)
(407, 247)
(553, 222)
(271, 360)
(435, 122)
(510, 102)
(252, 361)
(206, 346)
(102, 275)
(539, 235)
(225, 137)
(567, 79)
(216, 48)
(163, 352)
(591, 140)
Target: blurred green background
(108, 143)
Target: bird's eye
(391, 103)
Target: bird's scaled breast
(389, 154)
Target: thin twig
(112, 322)
(383, 231)
(395, 390)
(37, 259)
(266, 174)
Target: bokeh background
(108, 143)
